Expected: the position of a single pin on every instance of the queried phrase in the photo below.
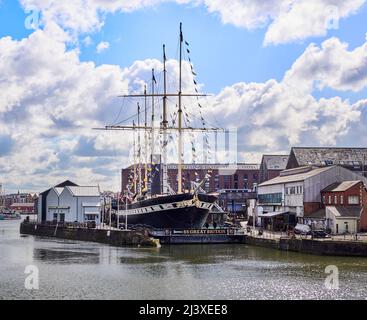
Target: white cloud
(102, 46)
(51, 101)
(285, 20)
(332, 65)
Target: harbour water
(83, 270)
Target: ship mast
(139, 153)
(145, 140)
(164, 125)
(180, 118)
(134, 155)
(153, 117)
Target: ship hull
(183, 211)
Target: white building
(299, 190)
(344, 219)
(68, 202)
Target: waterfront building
(23, 208)
(346, 206)
(271, 166)
(298, 191)
(354, 159)
(68, 202)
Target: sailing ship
(154, 203)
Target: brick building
(223, 177)
(346, 205)
(271, 166)
(354, 159)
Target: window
(216, 180)
(323, 199)
(336, 200)
(254, 177)
(245, 181)
(329, 199)
(55, 216)
(62, 217)
(270, 198)
(301, 189)
(341, 199)
(227, 181)
(353, 200)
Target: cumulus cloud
(332, 65)
(102, 46)
(285, 20)
(51, 100)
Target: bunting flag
(187, 43)
(188, 51)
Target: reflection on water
(65, 256)
(84, 270)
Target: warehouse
(68, 202)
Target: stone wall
(113, 237)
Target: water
(83, 270)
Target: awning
(272, 214)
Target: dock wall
(113, 237)
(309, 246)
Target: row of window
(340, 200)
(270, 198)
(294, 190)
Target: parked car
(318, 234)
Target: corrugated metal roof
(341, 186)
(346, 212)
(90, 191)
(295, 177)
(275, 162)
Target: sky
(283, 73)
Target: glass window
(329, 199)
(323, 199)
(353, 200)
(270, 198)
(336, 200)
(341, 199)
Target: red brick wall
(310, 207)
(363, 222)
(357, 190)
(354, 191)
(189, 175)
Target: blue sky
(50, 76)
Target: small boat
(10, 216)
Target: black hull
(159, 217)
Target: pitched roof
(275, 162)
(341, 186)
(65, 183)
(330, 156)
(298, 175)
(346, 212)
(85, 191)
